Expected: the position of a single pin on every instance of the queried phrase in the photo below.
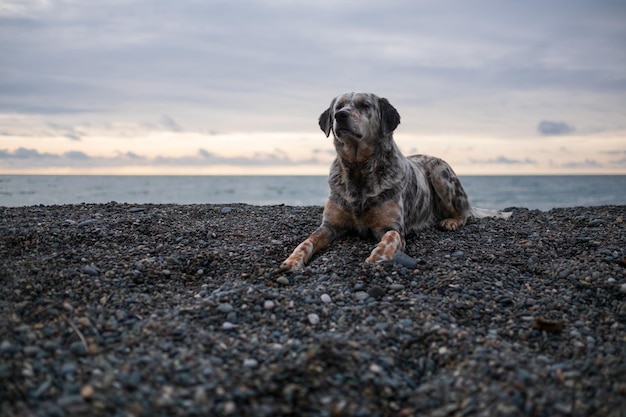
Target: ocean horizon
(542, 192)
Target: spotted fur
(375, 190)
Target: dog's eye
(364, 106)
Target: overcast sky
(210, 87)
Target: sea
(497, 192)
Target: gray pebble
(68, 368)
(376, 292)
(78, 348)
(42, 388)
(250, 363)
(404, 260)
(326, 298)
(268, 305)
(86, 223)
(225, 308)
(91, 270)
(313, 318)
(225, 210)
(282, 280)
(361, 295)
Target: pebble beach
(180, 310)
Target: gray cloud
(66, 131)
(505, 161)
(28, 158)
(551, 128)
(587, 163)
(24, 153)
(170, 124)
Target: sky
(161, 87)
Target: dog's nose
(342, 115)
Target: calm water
(534, 192)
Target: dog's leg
(303, 252)
(389, 244)
(335, 219)
(385, 221)
(451, 195)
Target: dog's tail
(480, 213)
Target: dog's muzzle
(343, 125)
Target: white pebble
(326, 298)
(228, 325)
(268, 304)
(375, 368)
(622, 288)
(314, 318)
(250, 363)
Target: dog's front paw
(290, 264)
(386, 248)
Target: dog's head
(359, 116)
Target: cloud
(29, 158)
(76, 155)
(551, 128)
(66, 131)
(170, 124)
(587, 163)
(505, 161)
(24, 153)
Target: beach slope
(175, 310)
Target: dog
(375, 189)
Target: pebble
(313, 318)
(326, 298)
(68, 368)
(225, 307)
(78, 348)
(226, 210)
(282, 280)
(86, 223)
(268, 305)
(250, 363)
(404, 260)
(91, 270)
(376, 292)
(228, 325)
(361, 295)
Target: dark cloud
(505, 161)
(551, 128)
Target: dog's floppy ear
(326, 119)
(389, 116)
